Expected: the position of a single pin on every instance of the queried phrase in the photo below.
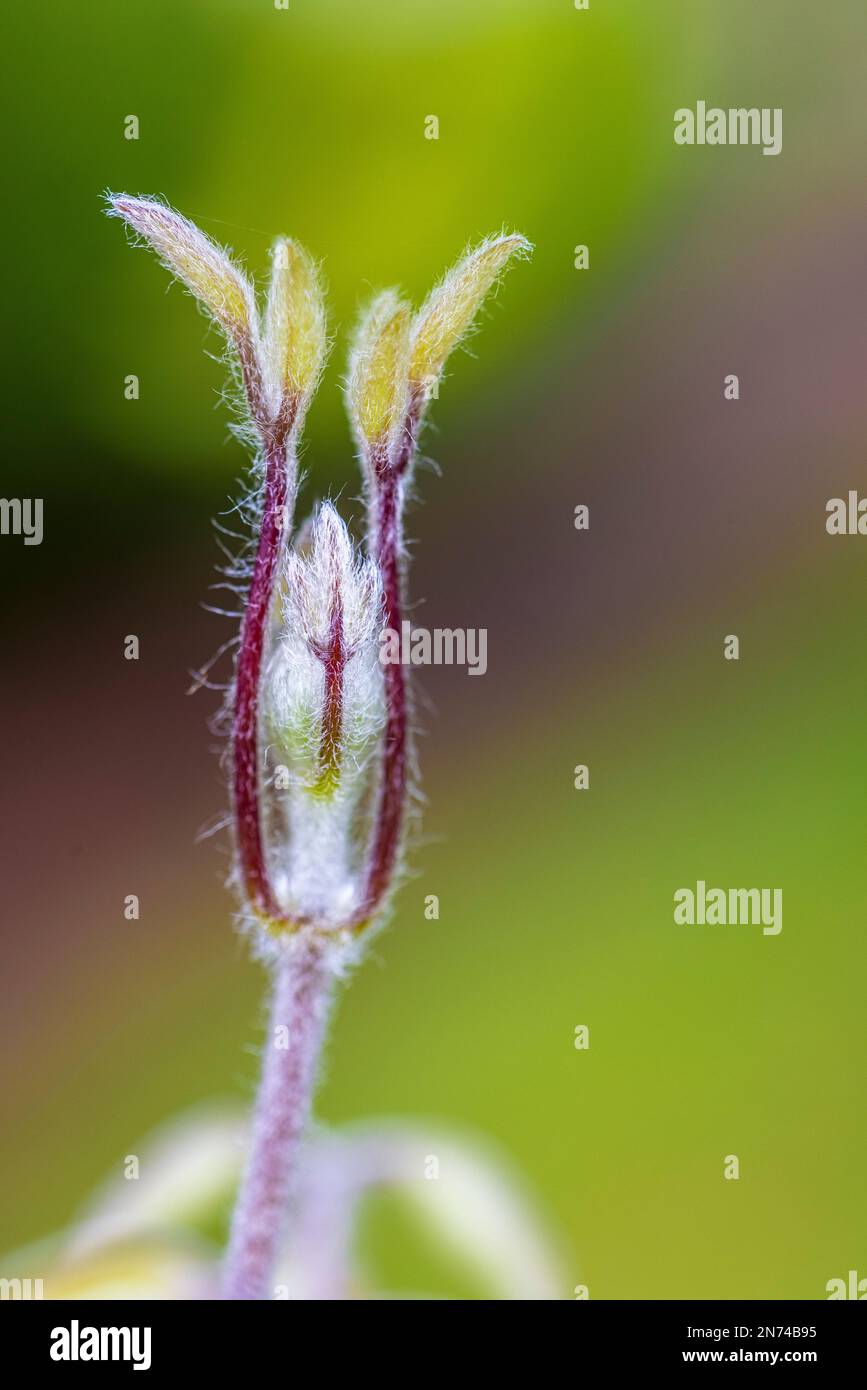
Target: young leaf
(197, 261)
(294, 339)
(378, 386)
(449, 310)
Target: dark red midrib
(333, 656)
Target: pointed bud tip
(136, 210)
(331, 569)
(329, 531)
(280, 255)
(514, 242)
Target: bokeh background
(707, 518)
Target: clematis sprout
(319, 726)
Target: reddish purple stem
(333, 655)
(385, 841)
(387, 528)
(392, 791)
(245, 725)
(302, 989)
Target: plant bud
(323, 710)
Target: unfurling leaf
(294, 340)
(378, 386)
(449, 310)
(198, 262)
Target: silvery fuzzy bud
(323, 712)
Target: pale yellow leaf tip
(199, 263)
(294, 337)
(449, 310)
(377, 389)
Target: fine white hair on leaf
(294, 337)
(377, 385)
(449, 310)
(207, 271)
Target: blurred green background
(707, 518)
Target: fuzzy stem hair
(278, 501)
(388, 484)
(302, 992)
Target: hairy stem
(277, 500)
(302, 989)
(386, 543)
(392, 792)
